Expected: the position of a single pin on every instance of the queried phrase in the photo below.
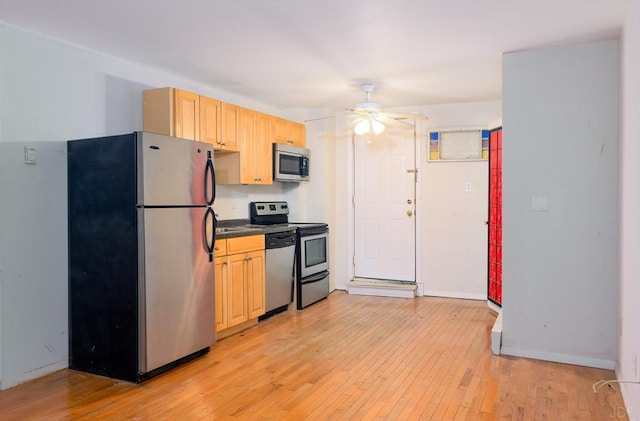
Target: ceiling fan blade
(391, 122)
(362, 113)
(328, 117)
(406, 116)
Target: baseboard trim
(381, 288)
(34, 374)
(558, 358)
(496, 335)
(449, 294)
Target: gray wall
(51, 92)
(560, 121)
(629, 340)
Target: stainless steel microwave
(290, 163)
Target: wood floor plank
(346, 357)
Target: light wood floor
(347, 357)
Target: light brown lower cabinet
(239, 281)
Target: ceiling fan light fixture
(362, 127)
(366, 126)
(377, 126)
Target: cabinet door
(256, 284)
(221, 291)
(297, 133)
(247, 146)
(229, 126)
(288, 132)
(186, 114)
(237, 289)
(262, 153)
(279, 126)
(209, 121)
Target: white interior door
(384, 207)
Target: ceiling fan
(370, 118)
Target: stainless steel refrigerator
(141, 240)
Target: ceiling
(315, 54)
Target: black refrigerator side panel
(103, 255)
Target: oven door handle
(314, 236)
(316, 277)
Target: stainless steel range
(312, 250)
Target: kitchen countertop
(228, 228)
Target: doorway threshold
(382, 288)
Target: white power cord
(597, 385)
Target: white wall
(325, 194)
(451, 241)
(52, 92)
(454, 234)
(629, 295)
(560, 140)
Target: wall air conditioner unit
(458, 144)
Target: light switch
(30, 156)
(540, 203)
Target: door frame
(419, 144)
(493, 303)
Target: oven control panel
(268, 208)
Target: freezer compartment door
(176, 285)
(174, 172)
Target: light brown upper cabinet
(219, 124)
(253, 164)
(229, 125)
(210, 120)
(288, 132)
(172, 112)
(262, 151)
(242, 138)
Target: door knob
(409, 213)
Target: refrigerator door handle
(209, 181)
(210, 233)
